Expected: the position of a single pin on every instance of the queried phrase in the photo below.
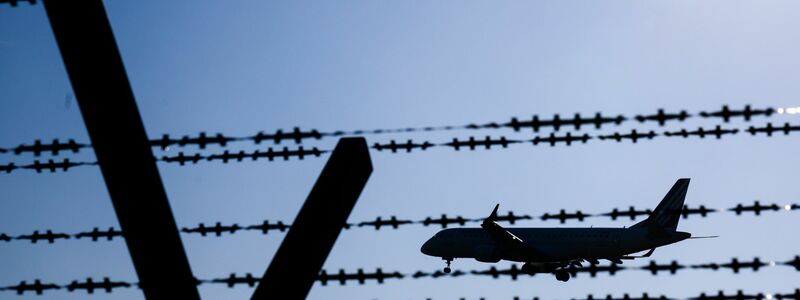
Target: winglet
(493, 216)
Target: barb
(393, 222)
(672, 267)
(49, 236)
(567, 139)
(218, 229)
(437, 274)
(700, 132)
(265, 227)
(786, 128)
(89, 285)
(556, 122)
(633, 136)
(359, 276)
(594, 269)
(721, 295)
(632, 213)
(645, 296)
(408, 146)
(794, 263)
(49, 165)
(444, 221)
(512, 272)
(755, 208)
(37, 287)
(563, 216)
(734, 265)
(726, 114)
(4, 237)
(234, 280)
(226, 156)
(662, 117)
(37, 148)
(96, 234)
(487, 143)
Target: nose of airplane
(427, 247)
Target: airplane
(554, 250)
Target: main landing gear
(447, 269)
(562, 275)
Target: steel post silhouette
(295, 266)
(93, 63)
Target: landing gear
(562, 275)
(447, 269)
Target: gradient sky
(238, 67)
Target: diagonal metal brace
(303, 251)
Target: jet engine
(487, 254)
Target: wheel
(562, 275)
(447, 270)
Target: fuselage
(550, 244)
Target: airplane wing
(503, 237)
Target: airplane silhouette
(553, 250)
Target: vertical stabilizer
(668, 212)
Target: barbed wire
(444, 221)
(470, 143)
(203, 139)
(379, 276)
(50, 165)
(182, 159)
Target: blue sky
(239, 67)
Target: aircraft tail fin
(493, 216)
(668, 212)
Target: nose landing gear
(447, 269)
